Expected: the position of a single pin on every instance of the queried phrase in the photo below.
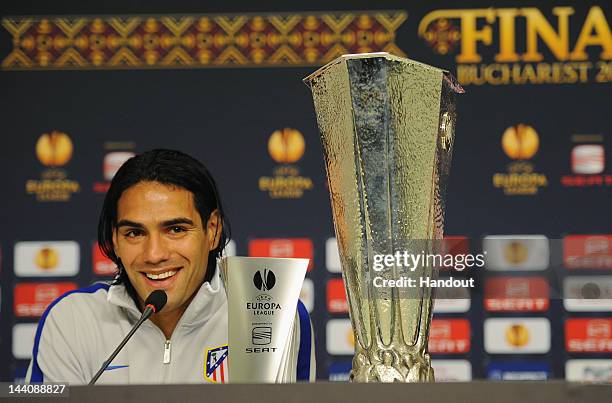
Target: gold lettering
(507, 49)
(516, 74)
(264, 183)
(519, 184)
(468, 74)
(595, 31)
(595, 20)
(604, 72)
(538, 26)
(584, 68)
(544, 72)
(529, 74)
(496, 79)
(470, 35)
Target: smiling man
(163, 244)
(163, 224)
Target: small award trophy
(262, 295)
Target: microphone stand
(145, 315)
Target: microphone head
(157, 299)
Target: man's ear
(214, 227)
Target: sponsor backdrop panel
(530, 181)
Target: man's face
(162, 241)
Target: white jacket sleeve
(55, 357)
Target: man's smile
(161, 278)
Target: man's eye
(133, 233)
(176, 229)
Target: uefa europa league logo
(264, 280)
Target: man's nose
(156, 250)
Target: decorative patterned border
(197, 41)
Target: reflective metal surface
(262, 295)
(386, 127)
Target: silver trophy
(386, 126)
(262, 295)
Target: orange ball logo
(47, 258)
(54, 150)
(515, 253)
(520, 142)
(517, 335)
(286, 146)
(350, 338)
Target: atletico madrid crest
(215, 365)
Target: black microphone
(154, 303)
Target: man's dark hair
(168, 167)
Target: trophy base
(388, 366)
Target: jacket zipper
(167, 346)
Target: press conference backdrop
(85, 86)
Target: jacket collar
(208, 300)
